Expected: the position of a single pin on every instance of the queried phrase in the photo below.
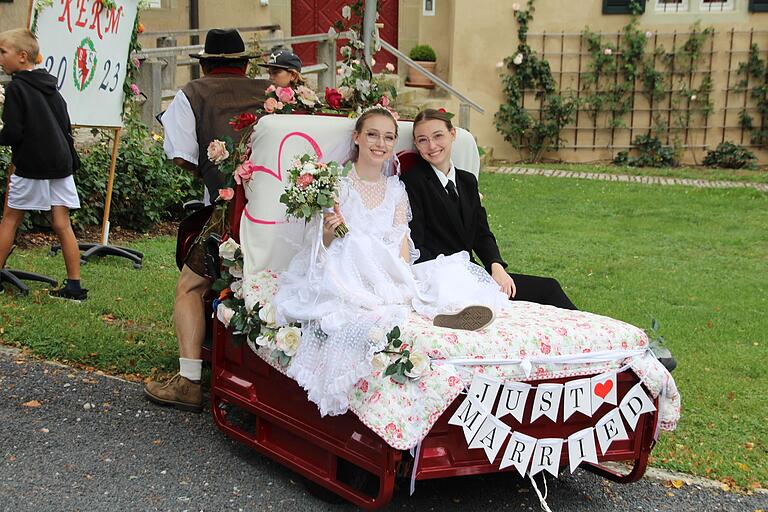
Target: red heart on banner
(603, 388)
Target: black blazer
(437, 226)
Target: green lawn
(695, 259)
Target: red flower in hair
(242, 121)
(442, 110)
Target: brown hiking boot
(471, 318)
(179, 392)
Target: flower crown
(377, 106)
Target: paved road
(94, 444)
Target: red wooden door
(317, 16)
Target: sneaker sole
(171, 403)
(471, 318)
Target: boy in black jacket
(36, 126)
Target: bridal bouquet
(312, 188)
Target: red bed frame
(261, 408)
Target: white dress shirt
(445, 178)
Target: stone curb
(648, 180)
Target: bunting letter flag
(518, 452)
(469, 416)
(635, 403)
(547, 401)
(514, 396)
(610, 428)
(490, 437)
(581, 448)
(603, 390)
(576, 398)
(484, 390)
(546, 456)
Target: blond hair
(21, 40)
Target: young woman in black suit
(448, 216)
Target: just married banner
(484, 429)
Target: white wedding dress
(349, 295)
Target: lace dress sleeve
(401, 219)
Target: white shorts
(29, 194)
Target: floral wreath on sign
(359, 86)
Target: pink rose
(304, 181)
(562, 331)
(286, 95)
(363, 385)
(270, 105)
(244, 171)
(451, 338)
(384, 101)
(226, 194)
(546, 348)
(390, 67)
(135, 90)
(375, 397)
(270, 89)
(454, 381)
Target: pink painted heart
(603, 388)
(279, 174)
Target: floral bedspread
(525, 342)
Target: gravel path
(648, 180)
(95, 444)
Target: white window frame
(671, 7)
(716, 6)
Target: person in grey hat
(284, 68)
(199, 113)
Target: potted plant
(425, 56)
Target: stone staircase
(411, 100)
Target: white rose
(236, 270)
(346, 12)
(287, 339)
(420, 363)
(224, 314)
(648, 34)
(518, 59)
(608, 51)
(268, 315)
(228, 249)
(381, 361)
(237, 289)
(693, 97)
(217, 151)
(515, 7)
(309, 168)
(346, 92)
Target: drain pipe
(194, 23)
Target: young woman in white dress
(349, 292)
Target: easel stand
(104, 249)
(14, 278)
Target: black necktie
(452, 193)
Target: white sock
(191, 369)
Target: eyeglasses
(373, 137)
(438, 138)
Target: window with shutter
(758, 5)
(621, 6)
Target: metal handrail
(201, 31)
(439, 81)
